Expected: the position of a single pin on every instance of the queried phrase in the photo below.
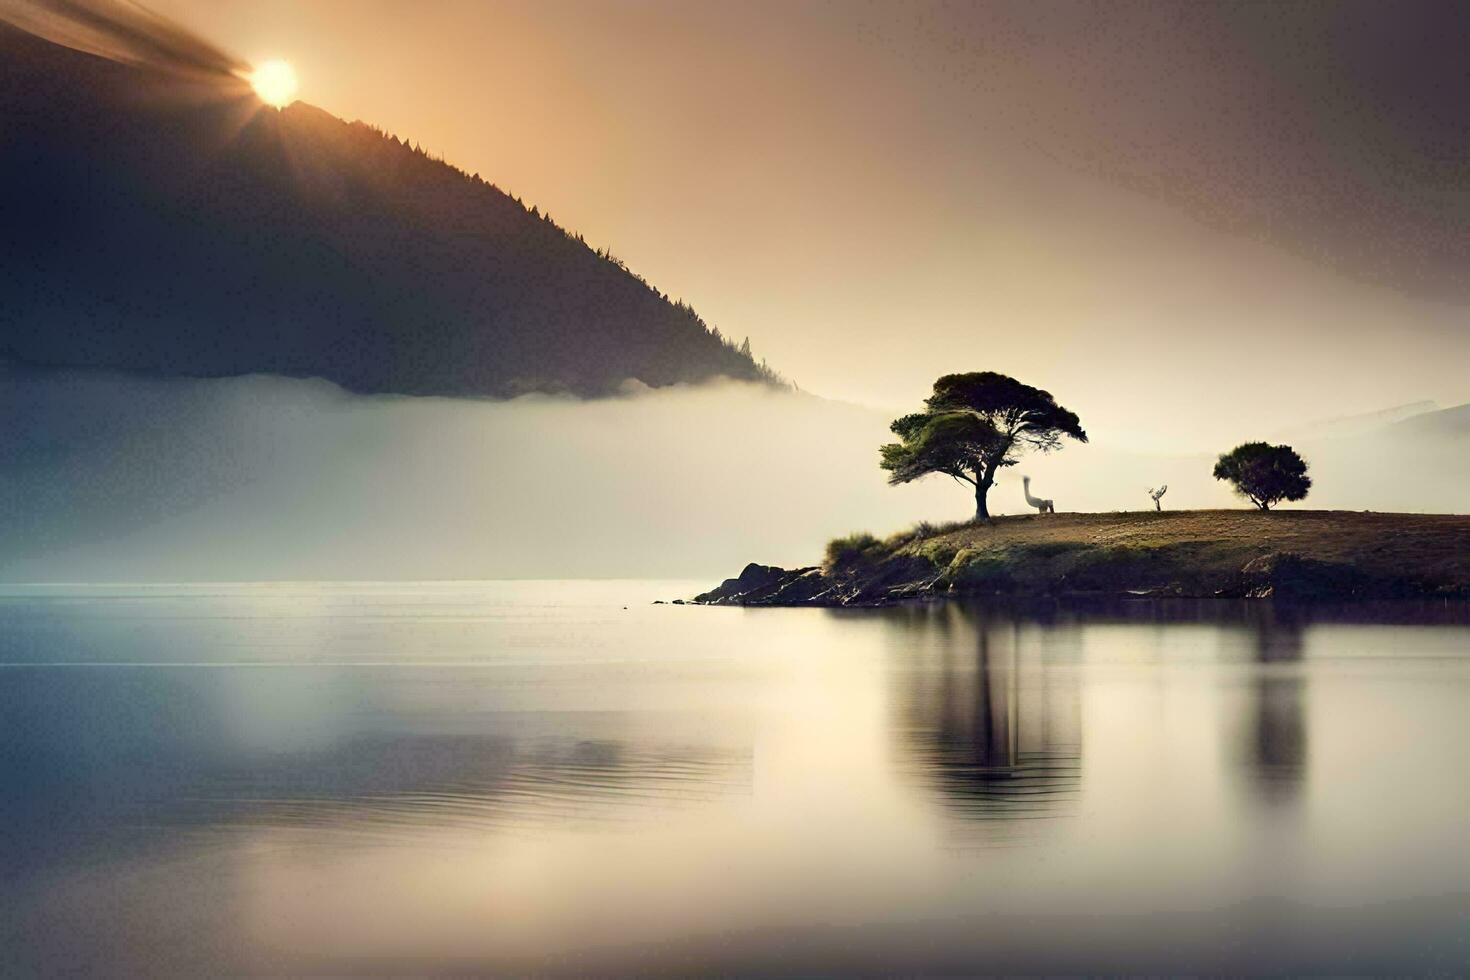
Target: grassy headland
(1297, 553)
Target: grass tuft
(851, 550)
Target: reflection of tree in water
(1277, 743)
(990, 724)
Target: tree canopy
(973, 425)
(1264, 474)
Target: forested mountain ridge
(171, 225)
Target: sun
(275, 82)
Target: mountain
(168, 223)
(1361, 424)
(1445, 423)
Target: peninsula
(1226, 553)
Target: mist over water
(113, 478)
(255, 478)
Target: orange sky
(880, 193)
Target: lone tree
(973, 425)
(1265, 474)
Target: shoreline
(1297, 555)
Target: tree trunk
(982, 487)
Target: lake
(561, 777)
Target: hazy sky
(1189, 221)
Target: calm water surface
(561, 777)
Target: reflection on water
(1279, 746)
(393, 785)
(563, 778)
(89, 753)
(986, 718)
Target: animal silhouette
(1042, 506)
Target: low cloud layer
(108, 478)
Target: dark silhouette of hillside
(168, 223)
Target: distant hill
(167, 224)
(1449, 422)
(1354, 425)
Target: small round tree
(972, 425)
(1265, 474)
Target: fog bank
(111, 478)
